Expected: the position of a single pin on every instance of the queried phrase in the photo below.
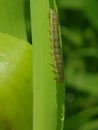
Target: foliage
(79, 27)
(15, 83)
(48, 102)
(79, 30)
(15, 68)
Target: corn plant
(27, 105)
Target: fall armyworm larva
(55, 46)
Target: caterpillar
(56, 51)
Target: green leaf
(15, 83)
(48, 101)
(44, 86)
(12, 18)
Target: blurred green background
(79, 30)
